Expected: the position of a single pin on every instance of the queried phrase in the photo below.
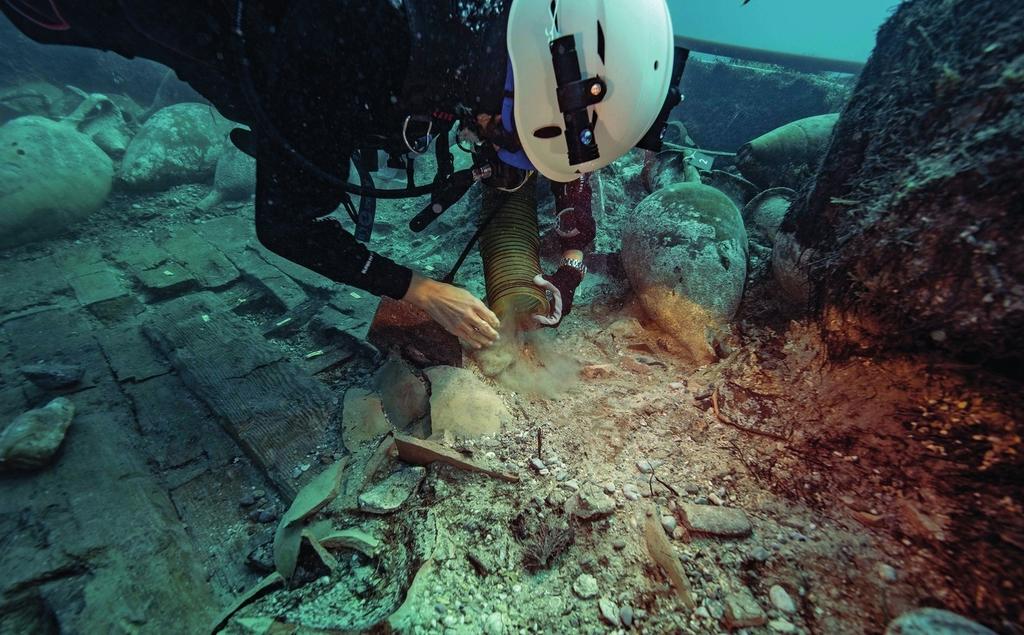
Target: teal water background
(835, 29)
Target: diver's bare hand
(455, 309)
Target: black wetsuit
(325, 74)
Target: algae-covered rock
(179, 144)
(51, 176)
(788, 155)
(685, 253)
(32, 439)
(916, 213)
(234, 180)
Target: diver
(556, 87)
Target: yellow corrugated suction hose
(510, 248)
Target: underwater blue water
(843, 31)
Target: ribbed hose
(510, 247)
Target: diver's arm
(576, 229)
(291, 207)
(291, 210)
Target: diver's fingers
(488, 316)
(556, 312)
(484, 328)
(474, 337)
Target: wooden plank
(275, 411)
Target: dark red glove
(562, 286)
(575, 221)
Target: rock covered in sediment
(742, 610)
(917, 220)
(929, 621)
(390, 494)
(685, 253)
(609, 611)
(724, 522)
(32, 439)
(179, 144)
(51, 176)
(234, 179)
(781, 599)
(590, 503)
(464, 405)
(585, 586)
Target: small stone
(644, 466)
(781, 599)
(571, 485)
(715, 499)
(266, 516)
(742, 610)
(609, 488)
(596, 371)
(609, 611)
(440, 608)
(626, 616)
(669, 524)
(678, 533)
(590, 503)
(558, 498)
(781, 626)
(585, 586)
(495, 624)
(537, 464)
(561, 475)
(618, 544)
(692, 489)
(258, 493)
(725, 522)
(389, 495)
(760, 554)
(247, 500)
(630, 492)
(887, 573)
(32, 439)
(544, 472)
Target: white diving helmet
(591, 79)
